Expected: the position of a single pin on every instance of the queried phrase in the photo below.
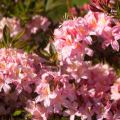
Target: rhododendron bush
(59, 60)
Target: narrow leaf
(6, 35)
(18, 36)
(52, 49)
(44, 54)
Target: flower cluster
(18, 71)
(12, 23)
(32, 27)
(23, 75)
(75, 35)
(69, 86)
(36, 24)
(89, 95)
(72, 36)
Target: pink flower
(97, 22)
(100, 25)
(100, 82)
(5, 86)
(110, 37)
(73, 11)
(12, 23)
(37, 23)
(18, 68)
(94, 90)
(115, 90)
(44, 94)
(116, 32)
(44, 91)
(76, 69)
(66, 96)
(72, 35)
(99, 5)
(85, 7)
(38, 111)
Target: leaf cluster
(22, 9)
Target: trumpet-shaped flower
(18, 68)
(115, 90)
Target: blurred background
(25, 9)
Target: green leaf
(52, 49)
(30, 48)
(18, 36)
(23, 9)
(79, 2)
(21, 44)
(54, 55)
(55, 9)
(38, 7)
(6, 35)
(17, 113)
(44, 54)
(52, 4)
